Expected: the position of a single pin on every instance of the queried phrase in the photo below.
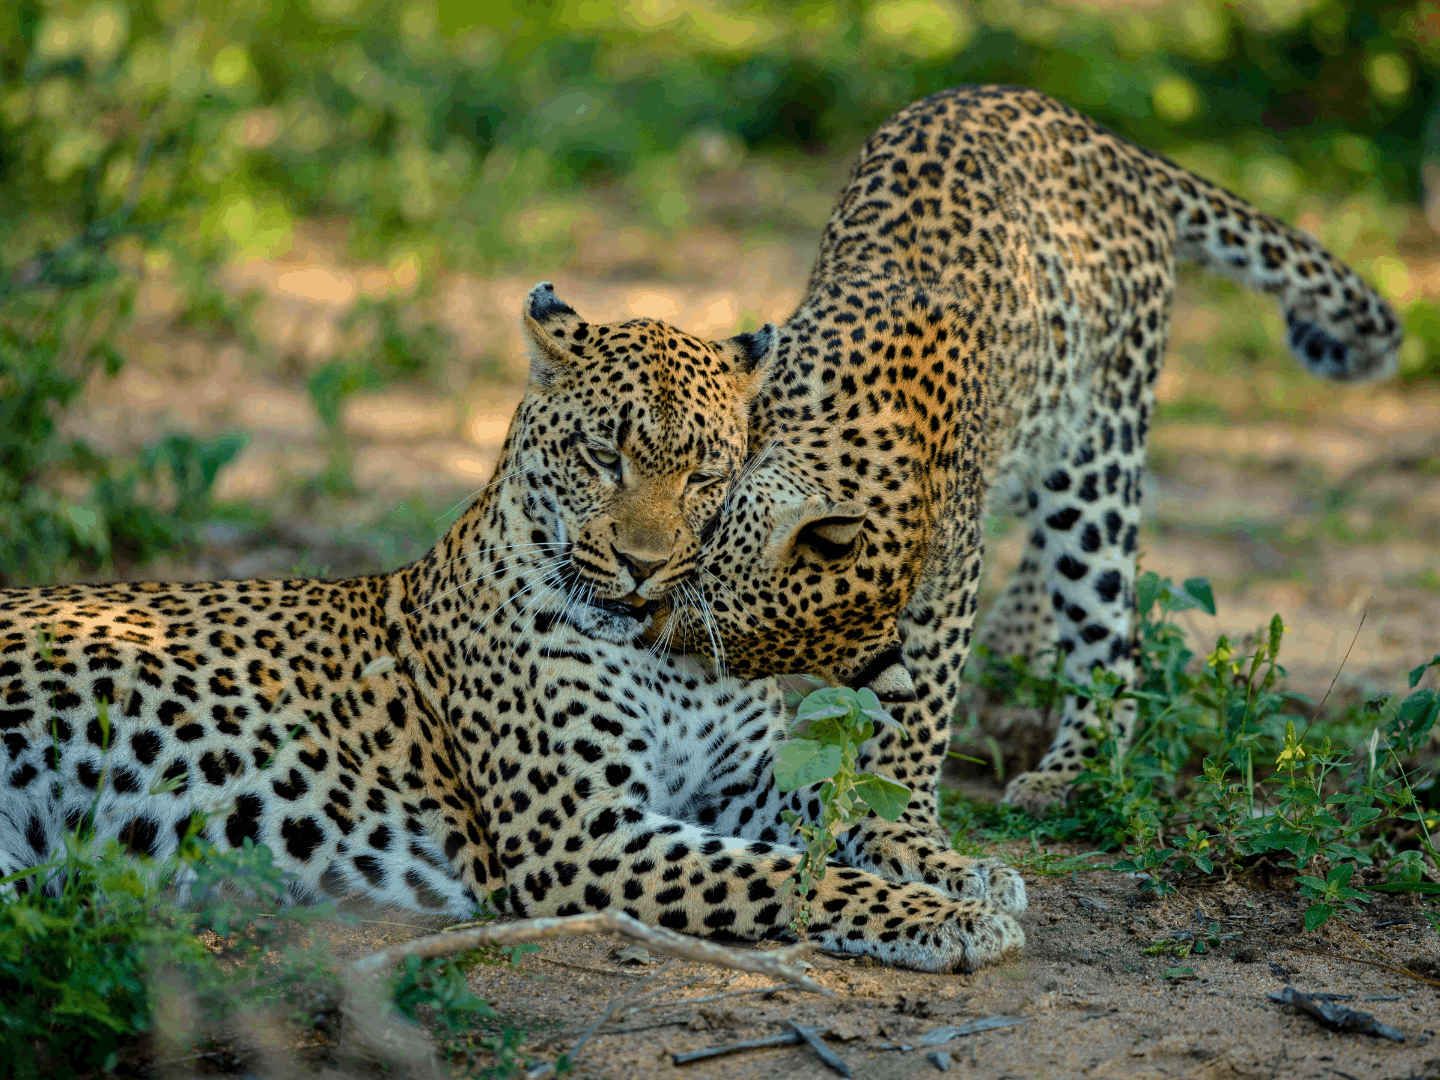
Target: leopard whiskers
(748, 470)
(734, 597)
(707, 620)
(481, 552)
(510, 575)
(545, 580)
(481, 491)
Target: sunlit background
(262, 261)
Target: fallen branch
(1336, 1017)
(774, 964)
(823, 1052)
(628, 994)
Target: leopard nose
(640, 567)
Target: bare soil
(1093, 1004)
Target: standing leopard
(486, 717)
(983, 329)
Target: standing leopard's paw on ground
(1036, 792)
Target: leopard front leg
(899, 852)
(674, 874)
(936, 629)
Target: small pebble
(939, 1059)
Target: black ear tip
(757, 345)
(542, 303)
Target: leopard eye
(697, 481)
(608, 458)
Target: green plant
(1332, 894)
(439, 985)
(1270, 785)
(831, 724)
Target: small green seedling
(1332, 893)
(831, 724)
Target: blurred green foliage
(58, 320)
(416, 121)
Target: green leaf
(886, 797)
(1316, 916)
(825, 697)
(1146, 591)
(1199, 590)
(1417, 715)
(1179, 973)
(834, 710)
(1340, 874)
(880, 716)
(1180, 602)
(1416, 674)
(1427, 887)
(803, 762)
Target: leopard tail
(1339, 327)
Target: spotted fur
(983, 328)
(487, 716)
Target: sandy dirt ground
(1090, 1002)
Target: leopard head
(794, 577)
(628, 439)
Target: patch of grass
(1230, 769)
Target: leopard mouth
(632, 606)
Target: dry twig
(774, 964)
(1382, 965)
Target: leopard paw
(983, 879)
(1034, 792)
(928, 932)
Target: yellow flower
(1292, 753)
(1220, 656)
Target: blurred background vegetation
(433, 137)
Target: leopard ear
(550, 323)
(751, 355)
(832, 531)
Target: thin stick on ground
(1383, 966)
(589, 968)
(775, 964)
(635, 1005)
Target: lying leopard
(485, 716)
(982, 329)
